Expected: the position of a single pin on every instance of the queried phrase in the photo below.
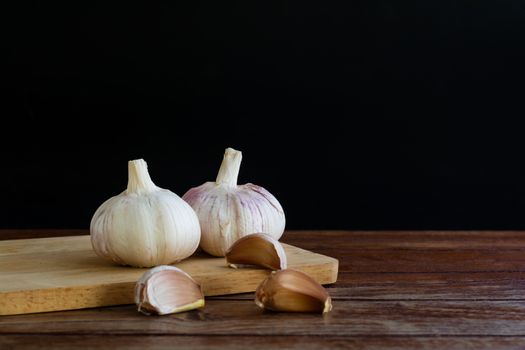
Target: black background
(371, 115)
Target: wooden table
(396, 290)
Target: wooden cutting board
(64, 273)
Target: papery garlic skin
(145, 225)
(228, 211)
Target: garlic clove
(292, 291)
(257, 249)
(166, 290)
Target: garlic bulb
(228, 212)
(145, 225)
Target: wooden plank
(49, 274)
(430, 261)
(349, 318)
(421, 286)
(140, 342)
(422, 240)
(352, 240)
(418, 251)
(407, 251)
(430, 286)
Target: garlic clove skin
(228, 211)
(292, 291)
(257, 249)
(145, 225)
(165, 290)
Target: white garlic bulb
(228, 212)
(145, 225)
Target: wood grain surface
(64, 273)
(395, 290)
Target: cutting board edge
(100, 295)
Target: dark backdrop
(375, 114)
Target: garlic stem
(139, 181)
(229, 170)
